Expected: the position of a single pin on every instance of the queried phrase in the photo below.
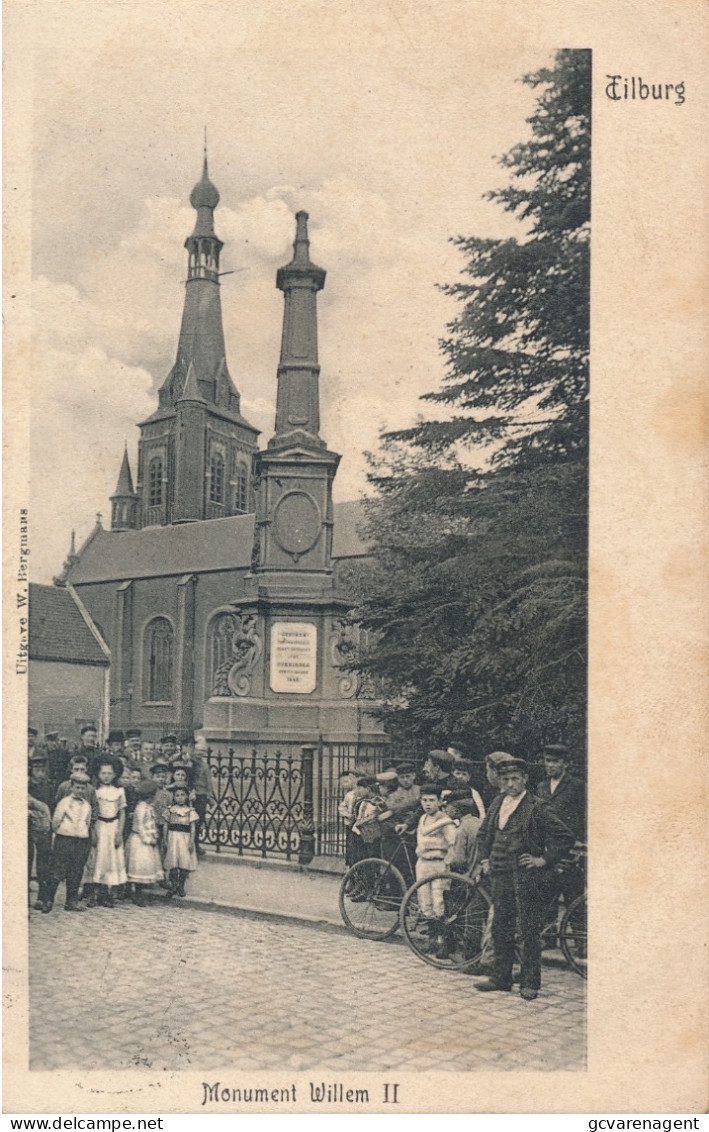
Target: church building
(220, 586)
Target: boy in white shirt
(71, 822)
(435, 839)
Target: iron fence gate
(258, 806)
(271, 797)
(333, 761)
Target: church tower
(196, 451)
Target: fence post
(307, 826)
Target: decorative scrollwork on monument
(257, 807)
(344, 653)
(236, 648)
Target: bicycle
(573, 928)
(467, 902)
(372, 890)
(467, 906)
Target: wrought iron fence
(269, 796)
(258, 809)
(332, 762)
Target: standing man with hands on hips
(519, 840)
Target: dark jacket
(542, 833)
(568, 803)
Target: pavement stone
(262, 993)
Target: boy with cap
(72, 823)
(519, 837)
(365, 813)
(78, 761)
(401, 815)
(435, 838)
(462, 809)
(160, 773)
(461, 779)
(40, 833)
(347, 811)
(202, 781)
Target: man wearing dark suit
(520, 837)
(566, 796)
(561, 791)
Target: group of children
(444, 814)
(111, 830)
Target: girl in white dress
(144, 866)
(110, 863)
(180, 838)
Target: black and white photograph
(299, 568)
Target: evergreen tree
(476, 592)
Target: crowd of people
(111, 823)
(115, 822)
(504, 831)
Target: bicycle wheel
(453, 942)
(370, 897)
(574, 936)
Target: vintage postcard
(355, 541)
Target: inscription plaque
(294, 656)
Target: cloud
(84, 402)
(103, 346)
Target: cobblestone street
(171, 988)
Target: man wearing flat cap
(89, 738)
(115, 744)
(520, 840)
(168, 747)
(561, 791)
(461, 779)
(401, 814)
(565, 795)
(133, 741)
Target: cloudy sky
(383, 122)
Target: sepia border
(647, 1004)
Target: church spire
(125, 479)
(297, 406)
(124, 501)
(201, 341)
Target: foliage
(476, 591)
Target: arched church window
(241, 488)
(155, 482)
(159, 661)
(216, 478)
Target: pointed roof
(201, 343)
(191, 390)
(125, 479)
(204, 194)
